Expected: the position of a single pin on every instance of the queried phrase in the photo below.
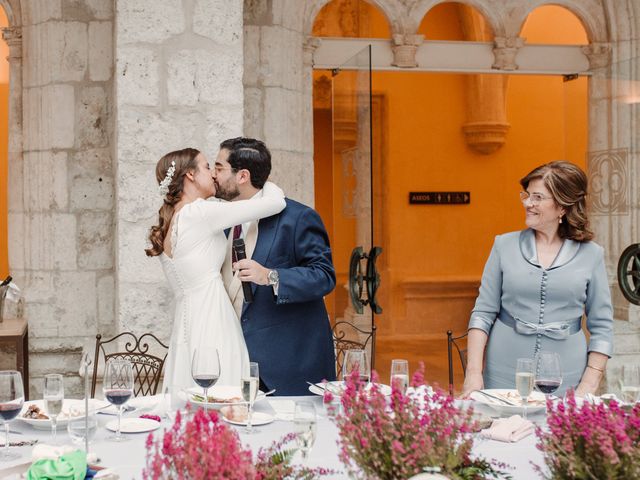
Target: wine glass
(118, 388)
(400, 374)
(53, 400)
(356, 361)
(304, 421)
(205, 369)
(630, 383)
(11, 400)
(548, 375)
(524, 381)
(250, 383)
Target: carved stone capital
(404, 49)
(485, 137)
(309, 46)
(599, 54)
(322, 93)
(13, 37)
(505, 50)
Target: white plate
(71, 408)
(133, 425)
(258, 418)
(219, 391)
(337, 387)
(536, 401)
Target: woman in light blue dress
(536, 287)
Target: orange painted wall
(4, 138)
(426, 151)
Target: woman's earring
(560, 219)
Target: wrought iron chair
(460, 344)
(147, 354)
(346, 336)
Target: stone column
(179, 84)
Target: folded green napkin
(70, 466)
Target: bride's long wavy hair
(185, 161)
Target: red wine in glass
(548, 386)
(206, 381)
(118, 396)
(9, 411)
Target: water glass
(81, 429)
(400, 375)
(250, 384)
(356, 361)
(118, 388)
(524, 381)
(304, 422)
(205, 370)
(630, 383)
(11, 400)
(53, 399)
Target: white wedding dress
(204, 316)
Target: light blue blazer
(525, 308)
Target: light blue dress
(525, 308)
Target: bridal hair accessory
(163, 189)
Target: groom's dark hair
(249, 154)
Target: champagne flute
(250, 383)
(524, 381)
(630, 383)
(53, 400)
(548, 376)
(304, 421)
(400, 375)
(205, 369)
(356, 361)
(11, 400)
(118, 388)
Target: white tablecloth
(128, 459)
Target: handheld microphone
(241, 254)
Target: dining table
(128, 459)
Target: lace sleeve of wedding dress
(221, 215)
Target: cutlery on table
(500, 399)
(320, 386)
(272, 391)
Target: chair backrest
(346, 336)
(147, 354)
(460, 344)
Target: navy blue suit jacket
(289, 335)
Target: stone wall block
(626, 344)
(76, 303)
(42, 321)
(87, 9)
(92, 162)
(92, 193)
(47, 187)
(288, 14)
(219, 21)
(16, 185)
(49, 118)
(106, 304)
(146, 136)
(100, 50)
(65, 363)
(133, 263)
(67, 44)
(146, 308)
(38, 11)
(95, 241)
(202, 76)
(138, 77)
(278, 105)
(92, 118)
(220, 127)
(252, 51)
(284, 69)
(288, 168)
(253, 113)
(17, 245)
(138, 191)
(39, 286)
(49, 241)
(149, 20)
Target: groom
(289, 265)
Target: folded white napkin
(284, 409)
(512, 429)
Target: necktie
(237, 233)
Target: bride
(191, 244)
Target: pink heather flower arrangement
(398, 437)
(598, 442)
(204, 448)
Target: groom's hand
(251, 271)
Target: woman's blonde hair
(568, 186)
(185, 161)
